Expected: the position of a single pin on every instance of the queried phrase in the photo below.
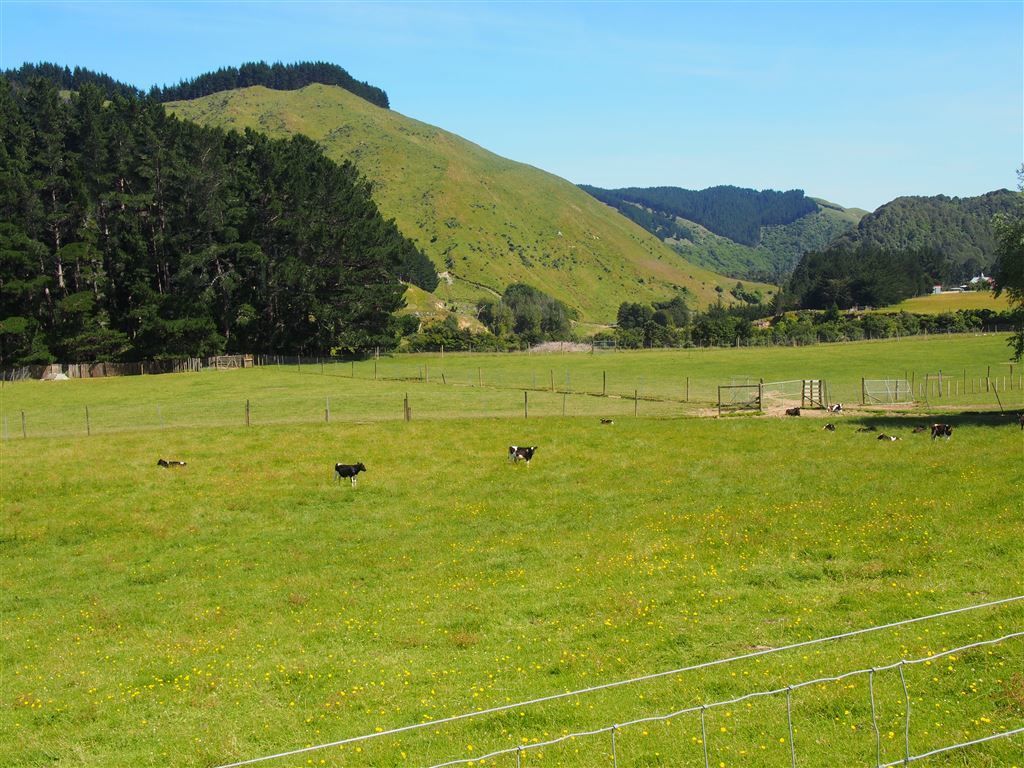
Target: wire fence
(439, 387)
(611, 753)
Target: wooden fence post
(686, 399)
(24, 432)
(88, 429)
(563, 403)
(327, 411)
(526, 404)
(247, 412)
(635, 401)
(604, 383)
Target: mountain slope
(902, 250)
(738, 232)
(958, 228)
(485, 221)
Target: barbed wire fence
(520, 751)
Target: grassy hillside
(484, 220)
(248, 603)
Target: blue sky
(854, 102)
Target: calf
(792, 411)
(517, 452)
(609, 421)
(942, 430)
(349, 470)
(890, 438)
(169, 463)
(835, 408)
(829, 427)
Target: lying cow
(890, 438)
(835, 408)
(919, 429)
(829, 427)
(521, 452)
(792, 411)
(349, 470)
(610, 421)
(942, 430)
(170, 463)
(868, 428)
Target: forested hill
(280, 77)
(127, 233)
(902, 250)
(742, 233)
(488, 222)
(958, 228)
(731, 212)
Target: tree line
(278, 76)
(127, 233)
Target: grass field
(935, 304)
(667, 383)
(248, 604)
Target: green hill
(957, 228)
(738, 232)
(902, 250)
(485, 221)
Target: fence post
(563, 403)
(719, 401)
(247, 412)
(604, 383)
(88, 429)
(24, 432)
(988, 375)
(687, 398)
(327, 411)
(863, 392)
(526, 404)
(375, 369)
(760, 396)
(479, 378)
(552, 373)
(635, 401)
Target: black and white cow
(890, 438)
(829, 427)
(169, 463)
(835, 408)
(521, 452)
(942, 430)
(349, 470)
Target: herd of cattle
(517, 453)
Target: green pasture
(249, 604)
(974, 372)
(937, 303)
